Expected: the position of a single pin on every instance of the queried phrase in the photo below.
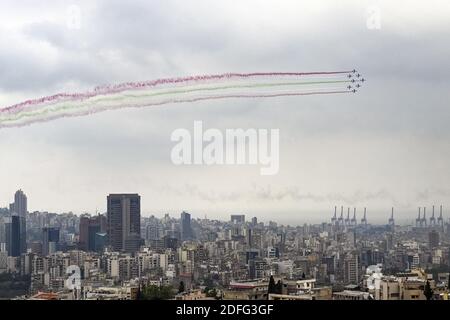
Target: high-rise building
(433, 239)
(20, 203)
(19, 208)
(2, 234)
(186, 229)
(12, 235)
(100, 241)
(248, 237)
(89, 226)
(237, 218)
(389, 240)
(124, 222)
(3, 261)
(50, 240)
(256, 268)
(351, 269)
(153, 231)
(169, 242)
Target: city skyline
(120, 254)
(340, 213)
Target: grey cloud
(277, 194)
(433, 194)
(399, 117)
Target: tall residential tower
(19, 208)
(124, 222)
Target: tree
(208, 282)
(448, 281)
(212, 293)
(427, 291)
(157, 293)
(181, 287)
(279, 287)
(139, 295)
(272, 287)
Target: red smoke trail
(108, 89)
(217, 97)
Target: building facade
(124, 222)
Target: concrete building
(404, 286)
(19, 208)
(237, 218)
(12, 232)
(186, 229)
(246, 290)
(124, 222)
(433, 239)
(50, 240)
(89, 226)
(351, 295)
(322, 293)
(352, 272)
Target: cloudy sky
(386, 146)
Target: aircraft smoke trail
(177, 90)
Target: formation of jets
(353, 80)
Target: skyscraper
(20, 203)
(50, 240)
(12, 231)
(89, 226)
(19, 207)
(124, 222)
(351, 269)
(3, 234)
(186, 230)
(153, 231)
(433, 239)
(237, 218)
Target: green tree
(272, 287)
(279, 287)
(12, 285)
(181, 287)
(139, 295)
(427, 291)
(208, 282)
(448, 281)
(211, 293)
(157, 293)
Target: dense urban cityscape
(123, 255)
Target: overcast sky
(388, 145)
